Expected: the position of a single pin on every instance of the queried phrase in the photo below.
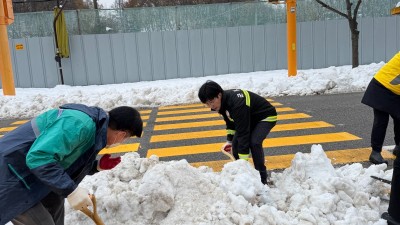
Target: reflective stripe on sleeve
(231, 132)
(244, 156)
(271, 119)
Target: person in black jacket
(249, 118)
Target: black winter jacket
(242, 110)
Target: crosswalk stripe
(219, 122)
(291, 116)
(162, 108)
(121, 148)
(145, 111)
(284, 109)
(217, 133)
(188, 125)
(284, 161)
(188, 117)
(269, 142)
(180, 106)
(215, 114)
(19, 122)
(276, 104)
(205, 109)
(5, 129)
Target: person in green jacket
(43, 161)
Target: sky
(148, 191)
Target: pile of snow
(30, 102)
(311, 191)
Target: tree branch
(333, 9)
(356, 9)
(348, 9)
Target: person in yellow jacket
(383, 95)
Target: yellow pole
(6, 72)
(291, 37)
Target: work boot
(265, 180)
(389, 219)
(264, 176)
(396, 150)
(376, 158)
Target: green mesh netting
(39, 24)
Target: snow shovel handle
(93, 215)
(228, 154)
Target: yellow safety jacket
(389, 75)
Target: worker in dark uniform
(249, 118)
(383, 95)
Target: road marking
(189, 117)
(220, 122)
(269, 142)
(19, 122)
(162, 108)
(145, 111)
(203, 109)
(179, 107)
(215, 114)
(284, 161)
(218, 133)
(120, 148)
(5, 129)
(291, 116)
(283, 109)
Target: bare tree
(153, 3)
(21, 6)
(351, 16)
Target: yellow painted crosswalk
(222, 132)
(192, 130)
(175, 125)
(269, 142)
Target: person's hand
(107, 163)
(227, 147)
(79, 198)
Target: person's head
(124, 122)
(210, 93)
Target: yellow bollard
(6, 72)
(291, 36)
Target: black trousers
(257, 136)
(50, 211)
(394, 203)
(381, 121)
